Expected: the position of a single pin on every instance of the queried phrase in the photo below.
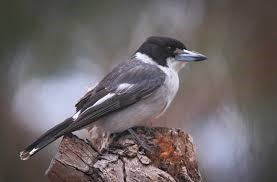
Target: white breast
(171, 85)
(172, 79)
(148, 108)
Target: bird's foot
(140, 141)
(149, 131)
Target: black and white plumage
(131, 94)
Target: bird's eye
(170, 48)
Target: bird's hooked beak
(189, 56)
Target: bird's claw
(139, 141)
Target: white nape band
(144, 58)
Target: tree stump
(171, 158)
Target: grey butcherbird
(133, 93)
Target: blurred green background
(50, 51)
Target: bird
(132, 94)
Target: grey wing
(124, 86)
(83, 100)
(109, 82)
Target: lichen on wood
(171, 158)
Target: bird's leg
(114, 137)
(139, 141)
(149, 132)
(149, 128)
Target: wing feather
(144, 78)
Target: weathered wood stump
(171, 158)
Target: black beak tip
(202, 58)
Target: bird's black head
(161, 48)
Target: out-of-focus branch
(171, 158)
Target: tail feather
(47, 138)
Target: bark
(167, 155)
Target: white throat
(175, 65)
(171, 83)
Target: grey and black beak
(189, 56)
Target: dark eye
(170, 48)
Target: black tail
(47, 138)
